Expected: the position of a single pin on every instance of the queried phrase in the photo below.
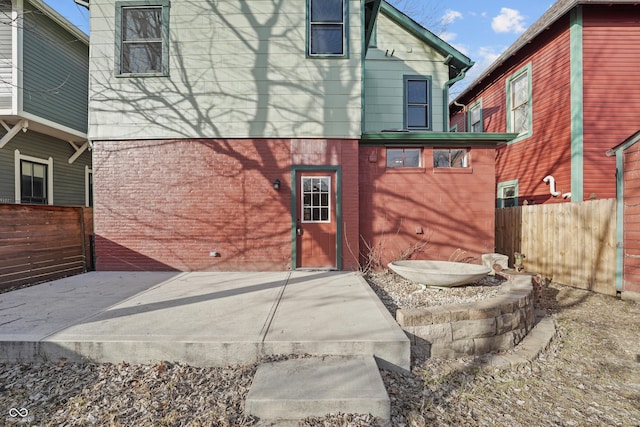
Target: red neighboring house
(569, 86)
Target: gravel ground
(589, 376)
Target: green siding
(68, 179)
(56, 72)
(577, 125)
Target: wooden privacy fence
(41, 243)
(570, 243)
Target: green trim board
(444, 139)
(618, 151)
(526, 69)
(577, 98)
(295, 169)
(166, 5)
(371, 9)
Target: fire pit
(439, 273)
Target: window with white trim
(507, 194)
(142, 38)
(475, 118)
(316, 200)
(33, 180)
(327, 27)
(88, 186)
(519, 106)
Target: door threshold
(316, 269)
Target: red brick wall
(165, 205)
(454, 208)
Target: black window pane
(142, 24)
(324, 214)
(142, 57)
(417, 116)
(326, 11)
(417, 91)
(326, 40)
(316, 214)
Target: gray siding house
(44, 71)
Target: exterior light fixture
(276, 185)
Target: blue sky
(482, 30)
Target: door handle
(299, 230)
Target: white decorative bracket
(12, 131)
(78, 150)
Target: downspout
(445, 95)
(464, 115)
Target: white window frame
(18, 178)
(329, 197)
(524, 72)
(476, 110)
(88, 172)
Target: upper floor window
(451, 158)
(519, 108)
(403, 157)
(475, 117)
(142, 38)
(417, 97)
(327, 27)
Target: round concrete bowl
(439, 273)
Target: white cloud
(508, 21)
(450, 16)
(447, 36)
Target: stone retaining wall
(454, 330)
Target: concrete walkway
(203, 319)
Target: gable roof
(457, 61)
(554, 13)
(49, 12)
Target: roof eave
(60, 20)
(449, 139)
(458, 60)
(553, 14)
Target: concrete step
(314, 387)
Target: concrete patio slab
(204, 319)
